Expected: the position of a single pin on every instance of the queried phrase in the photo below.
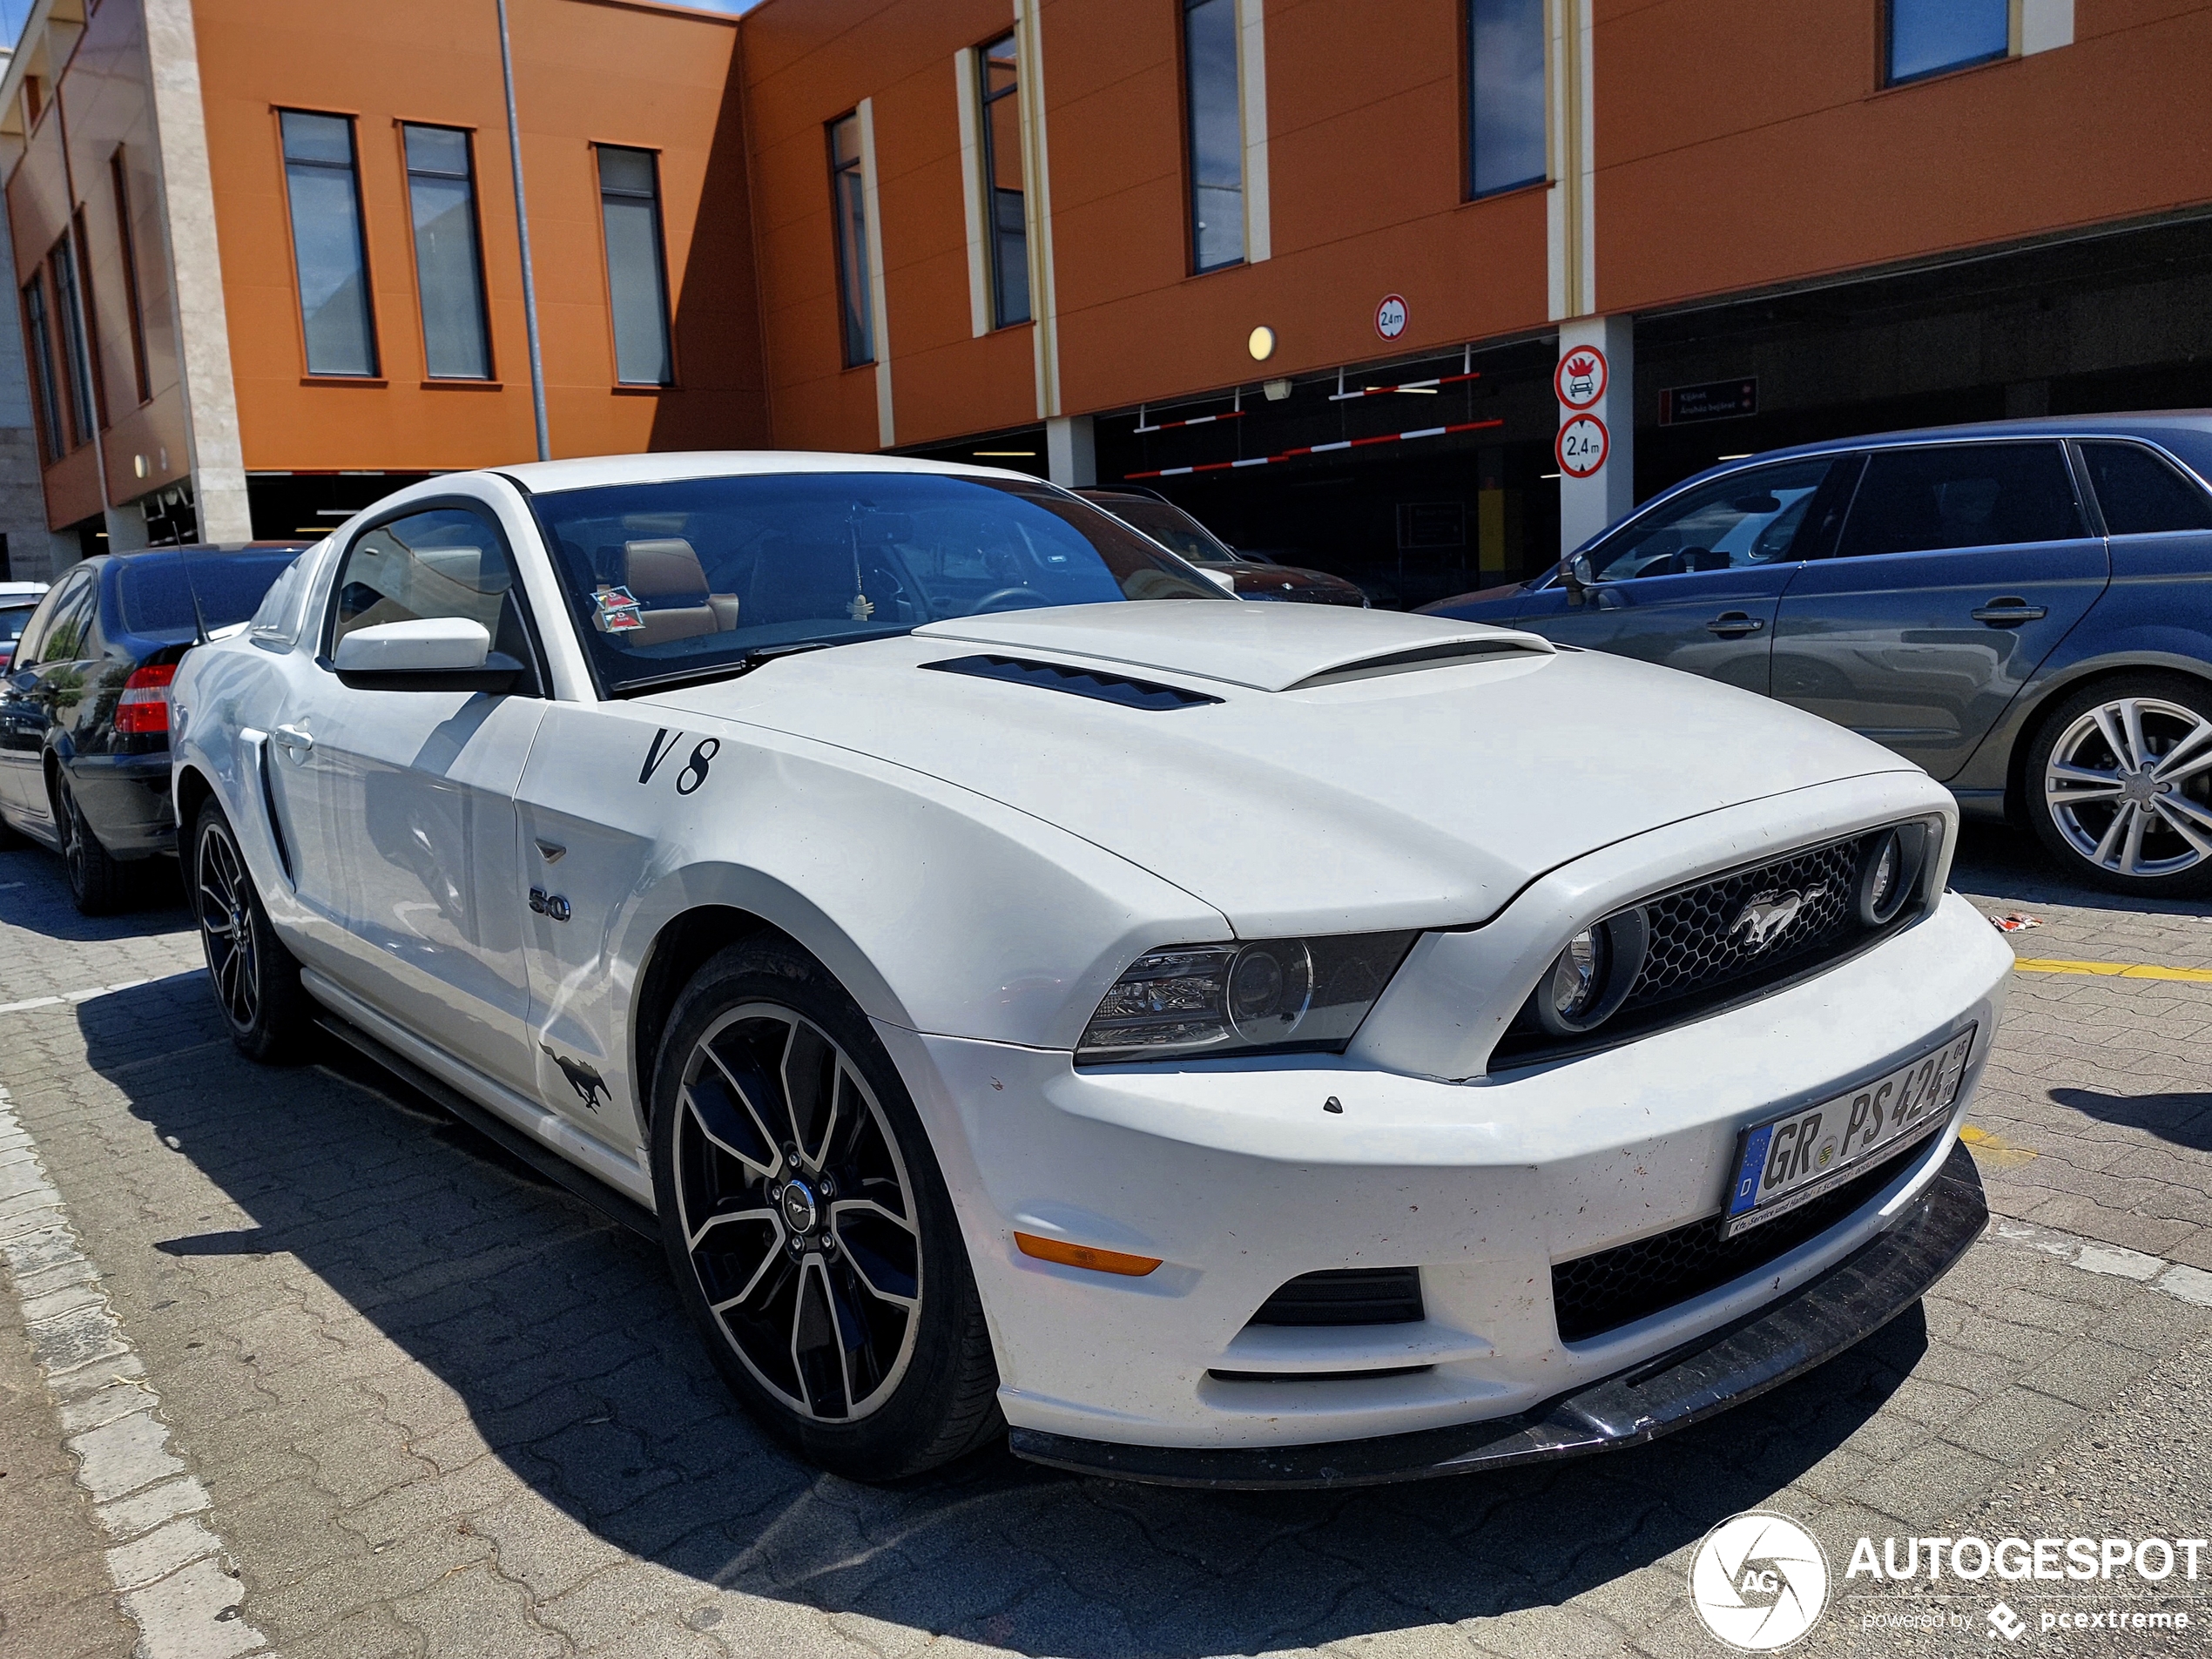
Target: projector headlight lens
(1270, 994)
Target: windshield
(683, 577)
(1171, 527)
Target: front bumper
(1803, 1330)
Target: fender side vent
(1076, 681)
(1347, 1296)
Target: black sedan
(1255, 577)
(84, 707)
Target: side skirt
(613, 1204)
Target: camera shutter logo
(1759, 1581)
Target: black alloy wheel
(255, 979)
(807, 1226)
(100, 883)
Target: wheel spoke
(2131, 853)
(845, 1207)
(2131, 721)
(2083, 783)
(811, 1069)
(723, 1111)
(2114, 832)
(2187, 819)
(722, 1217)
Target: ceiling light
(1260, 343)
(1012, 454)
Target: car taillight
(144, 707)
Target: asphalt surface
(290, 1362)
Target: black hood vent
(1076, 681)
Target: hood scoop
(1266, 647)
(1078, 682)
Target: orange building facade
(1186, 244)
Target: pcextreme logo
(1759, 1581)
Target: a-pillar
(1587, 505)
(1070, 453)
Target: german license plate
(1795, 1159)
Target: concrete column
(126, 527)
(1070, 452)
(1587, 505)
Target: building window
(1928, 37)
(448, 269)
(636, 275)
(126, 243)
(1216, 133)
(69, 304)
(1506, 140)
(327, 246)
(40, 329)
(998, 85)
(848, 206)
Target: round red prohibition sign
(1390, 316)
(1581, 445)
(1580, 378)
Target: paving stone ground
(439, 1408)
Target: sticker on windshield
(619, 611)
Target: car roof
(2137, 424)
(671, 466)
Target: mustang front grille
(1731, 936)
(1592, 1295)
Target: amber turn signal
(1099, 1261)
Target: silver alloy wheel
(2129, 786)
(226, 929)
(797, 1213)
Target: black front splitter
(1806, 1328)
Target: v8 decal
(693, 775)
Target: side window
(2141, 494)
(1754, 517)
(30, 647)
(447, 561)
(1967, 494)
(71, 626)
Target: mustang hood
(1300, 768)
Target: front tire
(255, 978)
(2119, 785)
(810, 1235)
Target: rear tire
(810, 1235)
(102, 884)
(2118, 785)
(255, 979)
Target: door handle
(2009, 612)
(1734, 625)
(295, 737)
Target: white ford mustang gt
(1227, 1044)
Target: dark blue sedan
(84, 705)
(2024, 608)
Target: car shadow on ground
(1997, 860)
(2183, 1119)
(563, 1340)
(35, 897)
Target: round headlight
(1270, 986)
(1890, 872)
(1593, 976)
(1578, 978)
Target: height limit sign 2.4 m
(1581, 445)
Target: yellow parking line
(2114, 970)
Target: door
(400, 802)
(45, 675)
(1693, 582)
(1959, 567)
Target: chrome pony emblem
(1766, 916)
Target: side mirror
(431, 654)
(1221, 579)
(1576, 576)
